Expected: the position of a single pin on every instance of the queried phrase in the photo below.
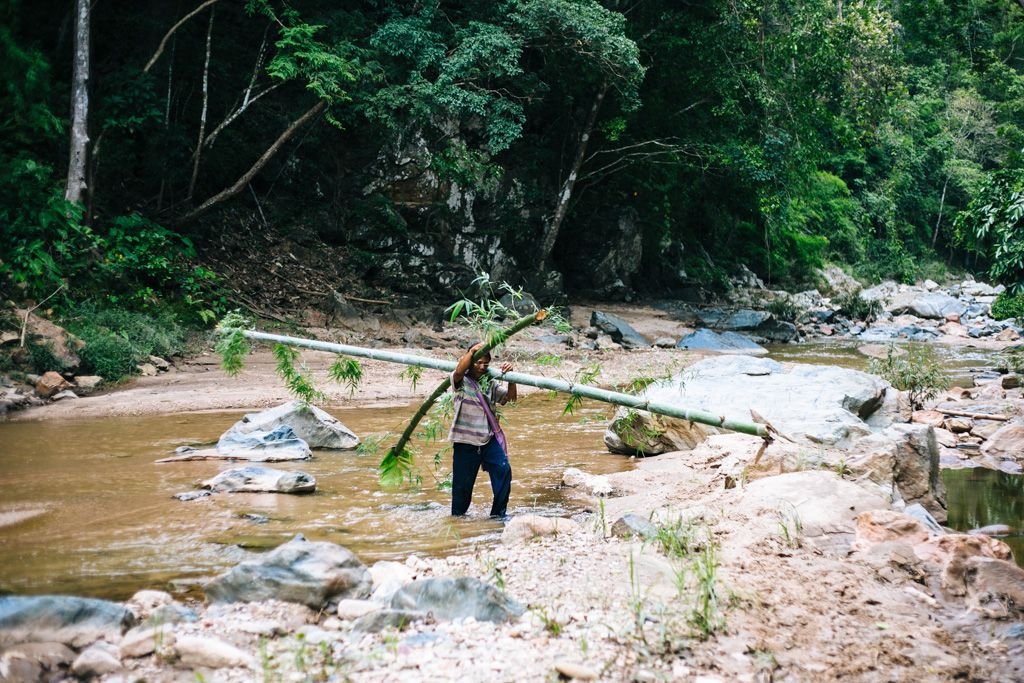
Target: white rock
(350, 609)
(197, 651)
(98, 659)
(144, 602)
(575, 671)
(595, 484)
(523, 527)
(140, 642)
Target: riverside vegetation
(280, 157)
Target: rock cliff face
(445, 229)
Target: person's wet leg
(465, 464)
(496, 464)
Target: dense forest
(152, 153)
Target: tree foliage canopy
(771, 133)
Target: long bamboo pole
(586, 391)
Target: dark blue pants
(466, 462)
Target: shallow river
(97, 516)
(85, 510)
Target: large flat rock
(316, 427)
(813, 404)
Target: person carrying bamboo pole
(477, 438)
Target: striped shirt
(469, 422)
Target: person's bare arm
(512, 393)
(462, 367)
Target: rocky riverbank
(803, 576)
(815, 559)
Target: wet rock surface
(260, 479)
(301, 571)
(316, 427)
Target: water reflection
(962, 363)
(84, 509)
(981, 497)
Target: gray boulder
(813, 404)
(261, 480)
(934, 305)
(446, 598)
(632, 525)
(316, 427)
(61, 619)
(35, 662)
(777, 330)
(743, 320)
(381, 619)
(619, 330)
(310, 573)
(280, 443)
(903, 462)
(726, 342)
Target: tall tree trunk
(942, 204)
(258, 166)
(553, 226)
(206, 103)
(79, 106)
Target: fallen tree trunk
(613, 397)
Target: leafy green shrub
(42, 358)
(993, 224)
(783, 308)
(917, 373)
(1008, 305)
(856, 307)
(886, 259)
(116, 340)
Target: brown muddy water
(85, 510)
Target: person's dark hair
(487, 354)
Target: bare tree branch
(551, 229)
(258, 166)
(167, 36)
(247, 96)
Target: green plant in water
(1014, 359)
(918, 373)
(396, 467)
